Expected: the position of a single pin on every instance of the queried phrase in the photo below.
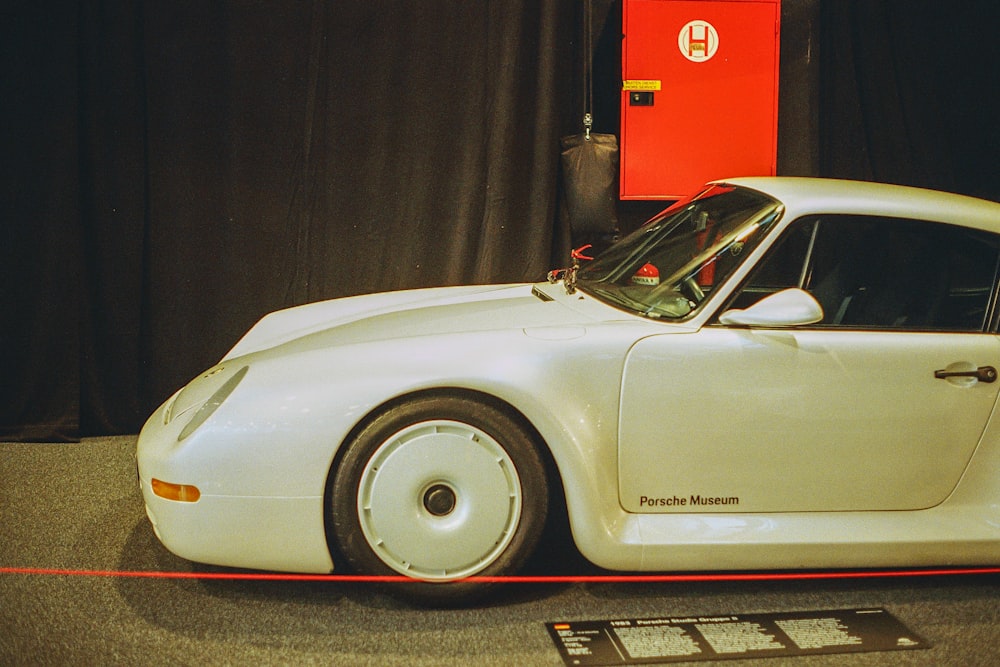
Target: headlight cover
(212, 404)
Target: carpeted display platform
(76, 507)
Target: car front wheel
(438, 489)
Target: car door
(877, 407)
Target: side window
(884, 273)
(972, 261)
(781, 268)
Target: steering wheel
(693, 288)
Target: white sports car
(776, 373)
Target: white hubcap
(439, 500)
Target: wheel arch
(554, 480)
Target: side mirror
(788, 308)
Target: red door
(700, 94)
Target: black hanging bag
(590, 164)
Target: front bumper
(265, 532)
(246, 532)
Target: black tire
(452, 487)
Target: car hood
(411, 313)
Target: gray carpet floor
(76, 507)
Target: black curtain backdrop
(184, 168)
(173, 171)
(909, 93)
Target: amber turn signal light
(184, 493)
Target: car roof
(803, 196)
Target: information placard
(690, 638)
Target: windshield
(671, 264)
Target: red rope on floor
(516, 579)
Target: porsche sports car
(776, 373)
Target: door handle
(983, 374)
